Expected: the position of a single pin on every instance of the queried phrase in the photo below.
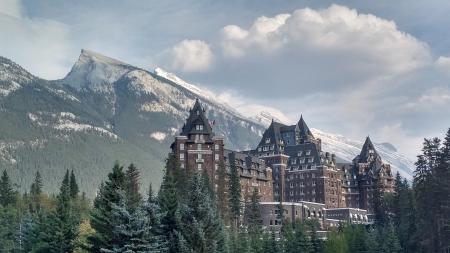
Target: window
(181, 146)
(216, 157)
(216, 147)
(199, 166)
(216, 166)
(267, 140)
(199, 146)
(181, 157)
(198, 127)
(299, 153)
(182, 165)
(308, 152)
(259, 149)
(302, 160)
(199, 156)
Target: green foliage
(134, 198)
(8, 195)
(234, 195)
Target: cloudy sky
(350, 67)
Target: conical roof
(304, 132)
(196, 117)
(367, 151)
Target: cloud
(371, 42)
(39, 45)
(443, 65)
(436, 97)
(11, 8)
(402, 139)
(188, 56)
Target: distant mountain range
(106, 110)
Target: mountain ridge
(103, 110)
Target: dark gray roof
(368, 152)
(196, 117)
(305, 133)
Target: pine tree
(201, 224)
(234, 195)
(73, 186)
(132, 187)
(8, 195)
(9, 227)
(379, 204)
(170, 216)
(426, 188)
(316, 242)
(66, 219)
(36, 194)
(222, 201)
(101, 215)
(254, 221)
(130, 229)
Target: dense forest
(186, 216)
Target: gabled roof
(196, 117)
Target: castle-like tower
(198, 148)
(361, 178)
(301, 170)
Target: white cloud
(189, 56)
(436, 97)
(362, 40)
(443, 64)
(11, 8)
(395, 133)
(39, 45)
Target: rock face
(106, 110)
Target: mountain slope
(103, 110)
(106, 110)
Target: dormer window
(299, 153)
(267, 140)
(308, 152)
(198, 112)
(198, 127)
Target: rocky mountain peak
(94, 71)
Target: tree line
(189, 214)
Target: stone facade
(198, 149)
(301, 170)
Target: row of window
(199, 146)
(199, 157)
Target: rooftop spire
(367, 151)
(303, 128)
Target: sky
(357, 68)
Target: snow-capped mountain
(106, 110)
(344, 148)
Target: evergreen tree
(170, 216)
(234, 195)
(372, 244)
(379, 204)
(335, 243)
(67, 220)
(254, 222)
(9, 227)
(36, 194)
(8, 195)
(130, 229)
(134, 198)
(426, 188)
(316, 242)
(222, 202)
(101, 215)
(73, 186)
(201, 224)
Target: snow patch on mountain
(159, 136)
(69, 125)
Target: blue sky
(351, 67)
